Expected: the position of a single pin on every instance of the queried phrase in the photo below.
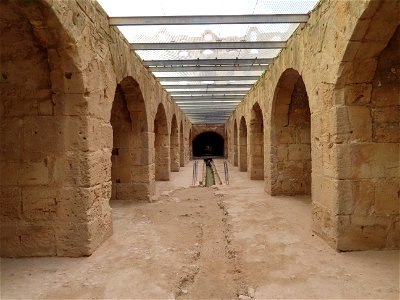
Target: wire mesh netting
(211, 33)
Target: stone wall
(342, 66)
(62, 68)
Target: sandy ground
(229, 242)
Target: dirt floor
(226, 242)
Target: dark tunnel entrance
(208, 144)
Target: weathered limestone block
(387, 199)
(299, 152)
(39, 203)
(354, 124)
(368, 161)
(10, 203)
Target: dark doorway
(208, 144)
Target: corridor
(223, 242)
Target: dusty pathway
(228, 242)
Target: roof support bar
(214, 19)
(207, 101)
(203, 108)
(205, 86)
(208, 93)
(211, 45)
(209, 68)
(203, 62)
(208, 78)
(207, 97)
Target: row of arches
(335, 140)
(133, 151)
(82, 122)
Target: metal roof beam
(208, 101)
(208, 68)
(210, 45)
(205, 19)
(222, 105)
(209, 93)
(209, 111)
(228, 97)
(203, 62)
(208, 78)
(206, 86)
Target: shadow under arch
(290, 160)
(235, 144)
(129, 160)
(174, 145)
(256, 155)
(161, 145)
(243, 145)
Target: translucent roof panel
(116, 8)
(208, 53)
(206, 82)
(208, 73)
(208, 33)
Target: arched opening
(291, 137)
(243, 145)
(161, 145)
(181, 146)
(256, 156)
(208, 144)
(235, 145)
(226, 144)
(129, 169)
(174, 145)
(44, 140)
(190, 143)
(367, 143)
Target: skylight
(209, 45)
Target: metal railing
(195, 168)
(226, 171)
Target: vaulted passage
(256, 143)
(161, 145)
(208, 144)
(174, 146)
(243, 145)
(96, 120)
(130, 170)
(235, 145)
(181, 146)
(291, 142)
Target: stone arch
(226, 144)
(181, 145)
(256, 155)
(161, 145)
(174, 145)
(290, 137)
(235, 145)
(190, 143)
(208, 143)
(130, 173)
(44, 140)
(366, 144)
(243, 145)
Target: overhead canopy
(207, 53)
